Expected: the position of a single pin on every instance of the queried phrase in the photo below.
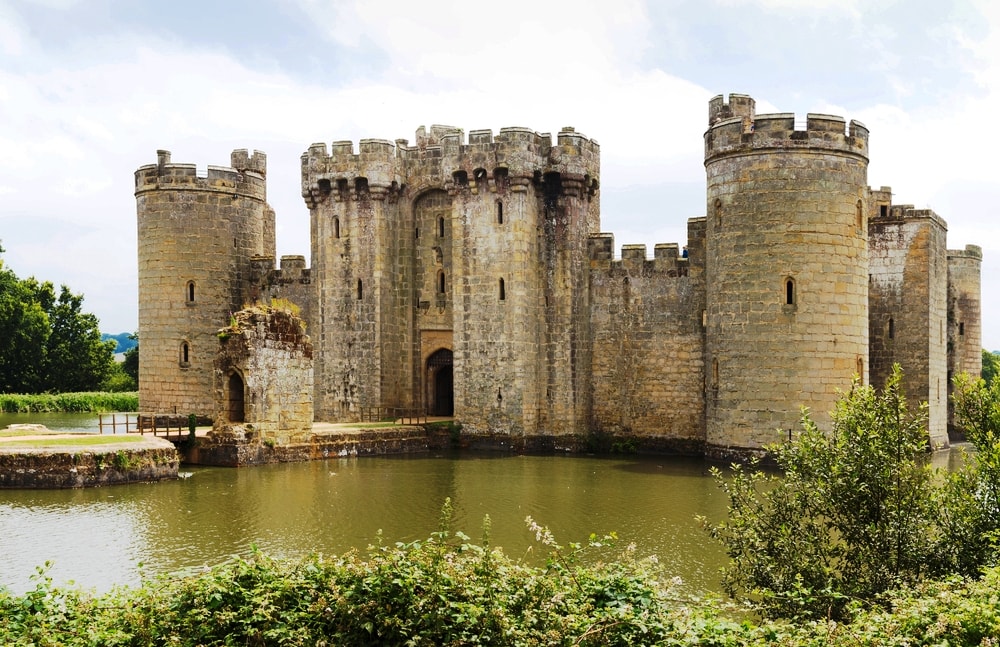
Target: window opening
(499, 212)
(185, 353)
(860, 214)
(961, 328)
(503, 290)
(360, 289)
(440, 282)
(441, 227)
(715, 373)
(789, 291)
(336, 227)
(892, 328)
(190, 291)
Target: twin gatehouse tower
(468, 277)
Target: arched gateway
(440, 385)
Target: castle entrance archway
(236, 409)
(440, 384)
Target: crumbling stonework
(264, 376)
(468, 276)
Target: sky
(90, 89)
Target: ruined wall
(196, 236)
(786, 269)
(263, 375)
(908, 305)
(648, 366)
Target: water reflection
(99, 537)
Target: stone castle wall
(468, 276)
(907, 298)
(786, 270)
(648, 366)
(197, 235)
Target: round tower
(196, 238)
(965, 333)
(786, 270)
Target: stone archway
(440, 384)
(235, 400)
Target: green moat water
(101, 537)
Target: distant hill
(124, 343)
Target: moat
(101, 537)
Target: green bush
(93, 402)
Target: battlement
(445, 157)
(246, 178)
(971, 253)
(735, 128)
(667, 257)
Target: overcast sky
(90, 89)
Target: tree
(131, 363)
(24, 332)
(46, 342)
(852, 517)
(975, 488)
(991, 366)
(77, 358)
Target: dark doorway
(236, 411)
(441, 395)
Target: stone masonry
(467, 276)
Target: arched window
(789, 291)
(892, 328)
(503, 290)
(499, 212)
(361, 291)
(185, 354)
(189, 292)
(441, 227)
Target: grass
(96, 402)
(82, 440)
(15, 433)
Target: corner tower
(197, 235)
(786, 270)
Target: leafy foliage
(46, 342)
(95, 402)
(991, 366)
(853, 516)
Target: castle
(469, 277)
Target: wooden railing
(157, 424)
(396, 415)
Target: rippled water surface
(106, 536)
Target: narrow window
(883, 210)
(499, 212)
(715, 373)
(892, 328)
(503, 291)
(861, 369)
(961, 328)
(336, 227)
(718, 212)
(190, 291)
(440, 282)
(416, 232)
(789, 292)
(441, 227)
(860, 215)
(361, 291)
(185, 353)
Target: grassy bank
(92, 402)
(448, 591)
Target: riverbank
(33, 456)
